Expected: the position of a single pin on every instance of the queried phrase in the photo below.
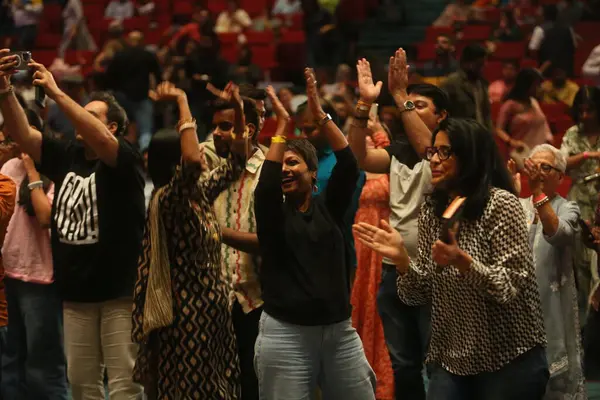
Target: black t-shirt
(97, 220)
(305, 275)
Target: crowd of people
(153, 246)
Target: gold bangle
(184, 121)
(278, 139)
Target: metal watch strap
(324, 120)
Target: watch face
(409, 105)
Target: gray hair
(560, 161)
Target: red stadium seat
(509, 51)
(476, 33)
(260, 38)
(425, 51)
(433, 32)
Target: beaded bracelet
(541, 202)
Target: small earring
(315, 188)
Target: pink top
(530, 126)
(497, 90)
(26, 251)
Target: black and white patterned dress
(196, 356)
(486, 318)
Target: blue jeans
(142, 113)
(292, 360)
(406, 331)
(524, 378)
(33, 363)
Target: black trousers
(246, 331)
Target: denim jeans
(524, 378)
(33, 363)
(142, 113)
(292, 360)
(406, 331)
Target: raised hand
(278, 107)
(312, 92)
(42, 77)
(385, 240)
(398, 74)
(536, 181)
(7, 67)
(166, 91)
(369, 92)
(512, 168)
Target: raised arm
(222, 176)
(42, 203)
(94, 132)
(371, 160)
(417, 132)
(345, 174)
(15, 121)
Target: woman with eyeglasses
(306, 338)
(487, 335)
(553, 226)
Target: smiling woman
(306, 337)
(486, 318)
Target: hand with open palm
(398, 74)
(369, 92)
(385, 240)
(278, 107)
(312, 94)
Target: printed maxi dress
(196, 356)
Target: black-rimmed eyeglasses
(443, 152)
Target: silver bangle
(35, 185)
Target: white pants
(98, 336)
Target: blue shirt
(327, 161)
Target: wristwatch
(363, 107)
(407, 106)
(325, 120)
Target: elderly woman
(487, 327)
(553, 226)
(306, 336)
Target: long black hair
(480, 167)
(526, 78)
(164, 155)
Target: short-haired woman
(487, 335)
(305, 335)
(553, 227)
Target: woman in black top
(487, 332)
(306, 337)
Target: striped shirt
(235, 209)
